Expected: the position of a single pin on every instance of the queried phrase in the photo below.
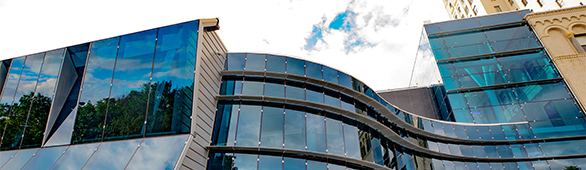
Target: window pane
(294, 129)
(235, 61)
(345, 80)
(560, 148)
(225, 125)
(330, 75)
(551, 110)
(266, 162)
(255, 62)
(275, 64)
(98, 77)
(116, 154)
(295, 66)
(315, 165)
(274, 88)
(335, 137)
(248, 126)
(45, 158)
(295, 90)
(76, 156)
(252, 87)
(314, 94)
(20, 158)
(351, 141)
(158, 153)
(465, 39)
(316, 137)
(171, 90)
(130, 86)
(245, 161)
(313, 70)
(272, 127)
(293, 163)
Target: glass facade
(61, 106)
(127, 102)
(308, 128)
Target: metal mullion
(110, 91)
(146, 114)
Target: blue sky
(375, 40)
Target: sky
(375, 41)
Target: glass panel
(274, 88)
(293, 163)
(225, 125)
(330, 75)
(467, 150)
(514, 44)
(519, 151)
(295, 66)
(476, 66)
(97, 79)
(335, 137)
(116, 154)
(536, 92)
(295, 90)
(132, 74)
(245, 161)
(39, 111)
(314, 94)
(558, 128)
(221, 161)
(171, 93)
(531, 74)
(457, 100)
(315, 165)
(6, 155)
(275, 64)
(11, 83)
(345, 80)
(509, 33)
(45, 158)
(470, 50)
(316, 137)
(23, 99)
(255, 62)
(158, 153)
(471, 165)
(484, 79)
(484, 133)
(336, 167)
(551, 110)
(465, 39)
(524, 61)
(478, 151)
(252, 86)
(455, 149)
(351, 141)
(313, 70)
(490, 97)
(235, 61)
(294, 129)
(497, 132)
(459, 24)
(76, 156)
(463, 116)
(533, 150)
(460, 132)
(266, 162)
(504, 151)
(248, 126)
(272, 127)
(331, 98)
(471, 132)
(19, 159)
(558, 149)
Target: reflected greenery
(16, 121)
(130, 120)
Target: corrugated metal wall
(210, 62)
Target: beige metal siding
(210, 62)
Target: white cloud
(271, 26)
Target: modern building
(173, 98)
(464, 9)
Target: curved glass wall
(226, 130)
